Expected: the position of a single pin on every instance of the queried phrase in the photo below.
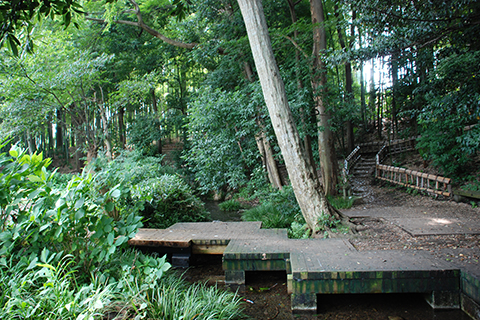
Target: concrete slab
(366, 261)
(436, 226)
(204, 233)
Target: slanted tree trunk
(326, 143)
(267, 157)
(263, 143)
(308, 190)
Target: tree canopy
(138, 73)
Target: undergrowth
(64, 254)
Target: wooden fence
(414, 179)
(409, 178)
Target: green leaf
(44, 226)
(60, 202)
(13, 44)
(34, 178)
(32, 264)
(110, 239)
(44, 255)
(116, 194)
(121, 240)
(109, 206)
(79, 214)
(13, 153)
(79, 203)
(45, 265)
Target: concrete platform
(203, 237)
(419, 221)
(315, 266)
(437, 226)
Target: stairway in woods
(170, 150)
(362, 175)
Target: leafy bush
(167, 200)
(298, 231)
(52, 239)
(75, 220)
(143, 131)
(453, 102)
(222, 137)
(130, 166)
(279, 210)
(341, 202)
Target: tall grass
(173, 299)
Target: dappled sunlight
(439, 221)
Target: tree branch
(297, 46)
(142, 25)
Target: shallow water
(219, 215)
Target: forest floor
(266, 293)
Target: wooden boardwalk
(313, 266)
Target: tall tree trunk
(157, 115)
(394, 67)
(380, 104)
(106, 133)
(348, 79)
(59, 131)
(308, 116)
(50, 138)
(30, 142)
(307, 190)
(326, 143)
(372, 95)
(121, 127)
(362, 89)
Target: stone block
(443, 299)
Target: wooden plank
(467, 193)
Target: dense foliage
(63, 249)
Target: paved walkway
(419, 221)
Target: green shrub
(167, 200)
(143, 131)
(75, 220)
(230, 205)
(340, 203)
(130, 166)
(62, 254)
(278, 210)
(298, 231)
